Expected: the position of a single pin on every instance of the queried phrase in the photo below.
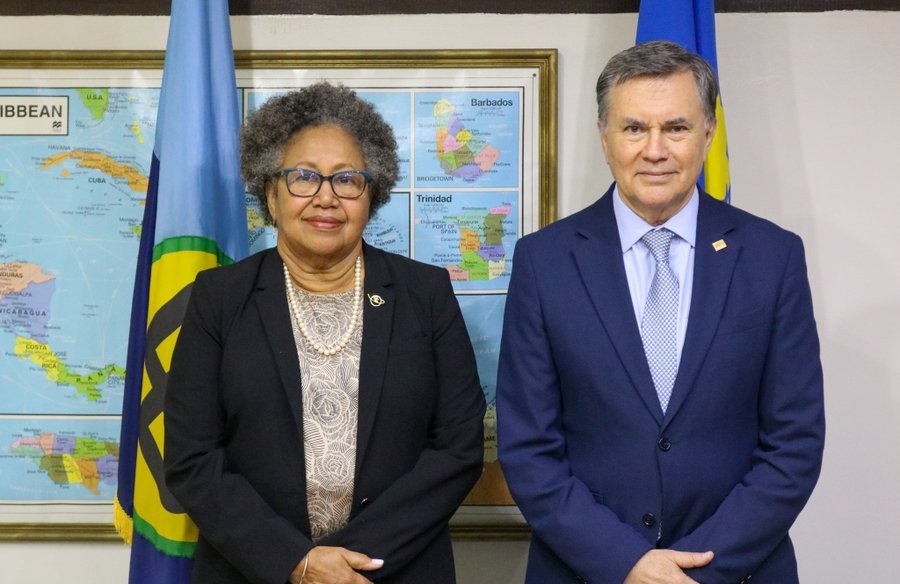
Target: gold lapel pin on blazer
(375, 300)
(719, 245)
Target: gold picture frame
(489, 512)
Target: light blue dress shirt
(640, 267)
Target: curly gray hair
(268, 130)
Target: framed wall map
(477, 137)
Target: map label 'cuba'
(34, 115)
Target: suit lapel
(377, 324)
(712, 279)
(378, 316)
(598, 256)
(273, 311)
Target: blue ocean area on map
(484, 320)
(71, 209)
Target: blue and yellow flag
(692, 24)
(195, 218)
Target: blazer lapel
(713, 269)
(598, 256)
(275, 315)
(378, 317)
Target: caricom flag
(195, 218)
(692, 24)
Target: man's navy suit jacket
(599, 471)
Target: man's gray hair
(657, 59)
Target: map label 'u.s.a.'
(34, 115)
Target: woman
(323, 410)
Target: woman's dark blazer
(234, 426)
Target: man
(659, 398)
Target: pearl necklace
(354, 316)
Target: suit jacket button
(664, 444)
(649, 520)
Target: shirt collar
(632, 227)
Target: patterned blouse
(330, 396)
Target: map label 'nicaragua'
(33, 115)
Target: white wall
(813, 110)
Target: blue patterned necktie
(659, 325)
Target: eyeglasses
(346, 184)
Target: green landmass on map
(478, 262)
(96, 101)
(93, 448)
(58, 372)
(493, 229)
(475, 265)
